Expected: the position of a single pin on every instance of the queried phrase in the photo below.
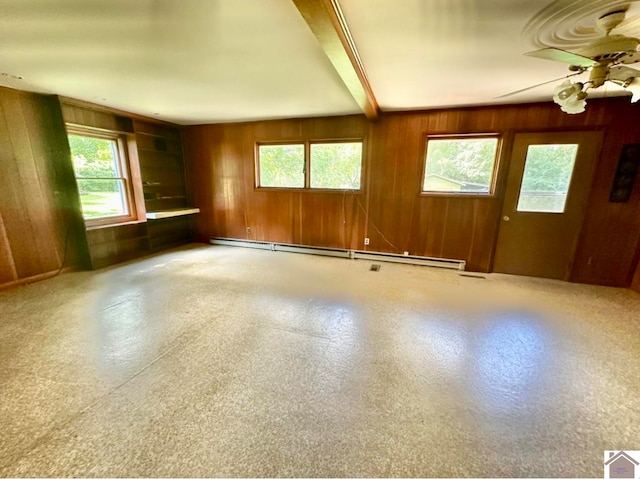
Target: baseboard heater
(456, 264)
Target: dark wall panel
(610, 231)
(635, 284)
(112, 245)
(41, 224)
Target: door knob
(506, 218)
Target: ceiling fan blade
(563, 56)
(536, 86)
(630, 58)
(620, 74)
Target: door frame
(503, 177)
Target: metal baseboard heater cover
(456, 264)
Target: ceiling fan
(604, 58)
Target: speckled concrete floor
(219, 361)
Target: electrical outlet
(406, 253)
(366, 241)
(248, 230)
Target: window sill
(471, 196)
(113, 225)
(264, 189)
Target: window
(100, 167)
(547, 175)
(462, 165)
(327, 165)
(281, 166)
(336, 165)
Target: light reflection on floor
(496, 358)
(446, 343)
(509, 356)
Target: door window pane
(546, 178)
(281, 166)
(336, 165)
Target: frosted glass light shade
(570, 97)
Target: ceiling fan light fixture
(566, 90)
(570, 97)
(605, 58)
(574, 107)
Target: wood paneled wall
(635, 280)
(41, 227)
(221, 170)
(114, 244)
(635, 283)
(389, 209)
(611, 231)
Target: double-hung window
(325, 165)
(463, 165)
(101, 169)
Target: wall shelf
(174, 197)
(157, 215)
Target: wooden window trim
(307, 166)
(123, 142)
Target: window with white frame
(102, 174)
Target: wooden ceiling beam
(327, 23)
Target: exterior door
(547, 188)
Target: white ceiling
(205, 61)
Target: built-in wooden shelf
(164, 185)
(173, 197)
(158, 215)
(161, 152)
